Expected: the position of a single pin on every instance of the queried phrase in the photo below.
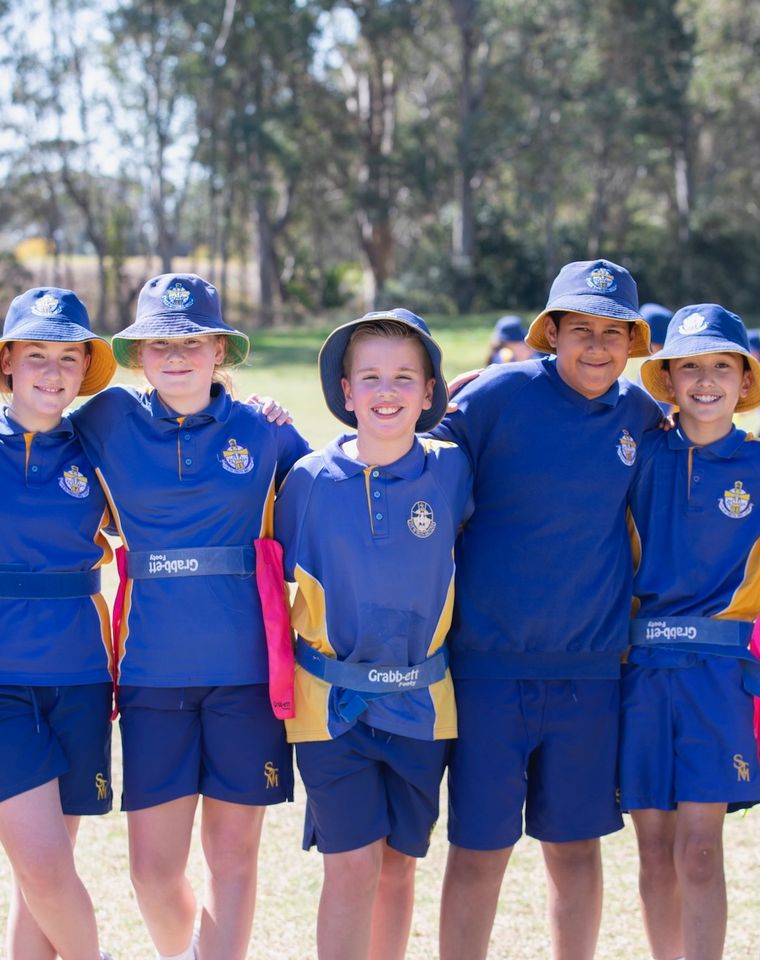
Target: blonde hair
(385, 330)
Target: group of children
(551, 494)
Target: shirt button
(188, 461)
(376, 494)
(696, 478)
(378, 516)
(35, 469)
(186, 437)
(375, 473)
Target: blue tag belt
(190, 562)
(26, 585)
(701, 635)
(360, 682)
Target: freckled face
(181, 369)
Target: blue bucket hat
(598, 288)
(59, 316)
(658, 318)
(331, 366)
(696, 329)
(177, 305)
(509, 328)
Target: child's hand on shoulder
(459, 381)
(272, 410)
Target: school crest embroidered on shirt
(736, 503)
(236, 459)
(178, 297)
(44, 306)
(74, 483)
(421, 521)
(601, 280)
(626, 448)
(694, 323)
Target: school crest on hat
(601, 280)
(421, 521)
(694, 323)
(235, 458)
(178, 297)
(47, 305)
(75, 483)
(736, 503)
(626, 448)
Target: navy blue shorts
(369, 785)
(687, 734)
(58, 732)
(222, 742)
(547, 745)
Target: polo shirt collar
(9, 427)
(608, 399)
(724, 448)
(219, 409)
(342, 467)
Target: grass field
(283, 365)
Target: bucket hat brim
(172, 327)
(592, 307)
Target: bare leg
(394, 905)
(574, 874)
(25, 939)
(53, 911)
(699, 864)
(345, 906)
(469, 900)
(659, 888)
(159, 845)
(230, 833)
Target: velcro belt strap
(692, 634)
(374, 678)
(190, 562)
(27, 585)
(701, 635)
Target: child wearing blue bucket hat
(368, 526)
(191, 476)
(55, 679)
(540, 622)
(507, 343)
(688, 752)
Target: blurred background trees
(449, 155)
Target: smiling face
(46, 377)
(387, 388)
(707, 388)
(591, 351)
(181, 369)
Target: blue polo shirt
(371, 550)
(52, 512)
(696, 532)
(544, 564)
(204, 480)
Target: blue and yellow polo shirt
(52, 513)
(371, 550)
(695, 515)
(176, 483)
(544, 564)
